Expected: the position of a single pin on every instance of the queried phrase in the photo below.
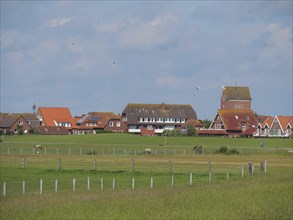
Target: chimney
(163, 106)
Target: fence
(132, 180)
(121, 150)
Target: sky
(102, 55)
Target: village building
(13, 124)
(232, 123)
(278, 126)
(235, 97)
(55, 117)
(235, 117)
(96, 121)
(153, 119)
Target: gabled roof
(51, 115)
(8, 119)
(233, 119)
(134, 111)
(236, 93)
(101, 119)
(284, 121)
(267, 122)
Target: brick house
(153, 119)
(93, 121)
(13, 123)
(232, 123)
(55, 117)
(235, 97)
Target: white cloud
(156, 32)
(57, 22)
(8, 38)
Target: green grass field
(261, 196)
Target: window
(111, 124)
(149, 127)
(118, 124)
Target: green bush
(198, 149)
(225, 150)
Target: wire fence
(65, 174)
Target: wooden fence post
(152, 182)
(57, 151)
(23, 187)
(69, 151)
(4, 189)
(173, 181)
(73, 185)
(113, 184)
(56, 185)
(95, 165)
(250, 169)
(210, 176)
(88, 183)
(242, 171)
(41, 186)
(45, 151)
(102, 183)
(132, 183)
(190, 179)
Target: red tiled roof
(101, 119)
(233, 119)
(57, 114)
(284, 121)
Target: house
(263, 126)
(93, 121)
(281, 126)
(55, 116)
(31, 119)
(194, 123)
(278, 126)
(232, 123)
(13, 123)
(235, 97)
(153, 119)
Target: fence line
(189, 182)
(89, 150)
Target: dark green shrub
(198, 149)
(223, 149)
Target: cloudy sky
(102, 55)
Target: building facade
(153, 119)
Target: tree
(191, 131)
(206, 123)
(20, 129)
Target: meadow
(92, 159)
